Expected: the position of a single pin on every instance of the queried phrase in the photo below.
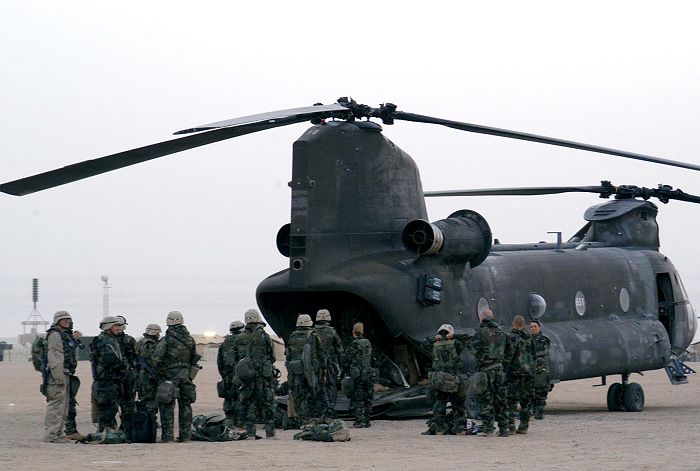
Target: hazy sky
(195, 231)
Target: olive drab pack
(446, 357)
(295, 350)
(213, 428)
(444, 382)
(336, 431)
(39, 353)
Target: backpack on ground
(144, 425)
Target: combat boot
(503, 433)
(511, 428)
(167, 438)
(75, 436)
(521, 431)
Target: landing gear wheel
(615, 397)
(633, 397)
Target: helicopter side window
(580, 303)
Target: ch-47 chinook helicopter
(359, 244)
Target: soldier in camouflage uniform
(173, 358)
(225, 362)
(109, 369)
(147, 376)
(446, 360)
(357, 363)
(490, 345)
(254, 348)
(60, 383)
(300, 391)
(127, 399)
(519, 375)
(326, 350)
(542, 386)
(71, 341)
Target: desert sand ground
(577, 433)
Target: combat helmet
(60, 315)
(174, 318)
(153, 329)
(236, 325)
(304, 320)
(108, 322)
(323, 315)
(252, 316)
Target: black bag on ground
(144, 425)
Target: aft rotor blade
(535, 138)
(525, 191)
(269, 117)
(90, 168)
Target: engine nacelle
(463, 237)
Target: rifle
(44, 374)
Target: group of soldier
(315, 361)
(511, 371)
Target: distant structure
(34, 320)
(105, 295)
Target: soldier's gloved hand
(77, 334)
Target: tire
(615, 397)
(633, 398)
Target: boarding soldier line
(135, 381)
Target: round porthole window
(624, 300)
(580, 303)
(536, 305)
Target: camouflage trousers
(258, 394)
(494, 401)
(188, 395)
(232, 404)
(304, 400)
(56, 409)
(442, 422)
(360, 396)
(147, 388)
(539, 401)
(107, 395)
(521, 390)
(127, 404)
(72, 390)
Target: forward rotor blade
(94, 167)
(270, 116)
(525, 191)
(535, 138)
(217, 132)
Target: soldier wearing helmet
(175, 358)
(301, 393)
(127, 399)
(360, 376)
(60, 382)
(326, 351)
(109, 369)
(520, 381)
(227, 369)
(447, 386)
(147, 376)
(254, 356)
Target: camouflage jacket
(296, 342)
(359, 355)
(327, 346)
(173, 353)
(144, 350)
(541, 352)
(256, 344)
(446, 356)
(490, 345)
(522, 353)
(128, 345)
(225, 357)
(107, 358)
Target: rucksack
(214, 428)
(39, 353)
(318, 431)
(144, 425)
